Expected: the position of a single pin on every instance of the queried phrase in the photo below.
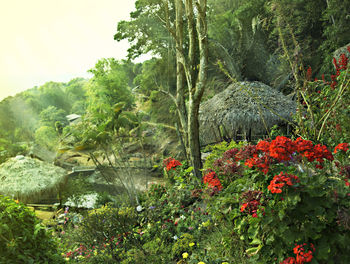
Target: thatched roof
(242, 107)
(30, 179)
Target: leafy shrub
(104, 235)
(182, 245)
(23, 239)
(290, 192)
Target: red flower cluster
(341, 64)
(282, 148)
(303, 145)
(262, 163)
(318, 152)
(252, 202)
(290, 260)
(251, 207)
(212, 180)
(302, 256)
(342, 146)
(171, 163)
(281, 180)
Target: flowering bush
(103, 235)
(291, 191)
(212, 181)
(171, 163)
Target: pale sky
(56, 40)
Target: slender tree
(192, 67)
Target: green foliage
(46, 136)
(108, 86)
(23, 239)
(239, 31)
(325, 115)
(51, 115)
(23, 115)
(182, 245)
(145, 31)
(7, 149)
(336, 30)
(52, 94)
(318, 28)
(217, 150)
(157, 73)
(104, 235)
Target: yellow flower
(206, 224)
(185, 255)
(191, 244)
(201, 262)
(225, 262)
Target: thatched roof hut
(30, 180)
(243, 108)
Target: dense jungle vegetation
(283, 199)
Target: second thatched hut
(244, 110)
(30, 180)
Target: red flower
(263, 146)
(282, 148)
(244, 206)
(171, 163)
(252, 203)
(301, 255)
(303, 145)
(289, 260)
(281, 180)
(212, 181)
(262, 163)
(342, 146)
(343, 62)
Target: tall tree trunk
(196, 92)
(180, 75)
(193, 137)
(187, 68)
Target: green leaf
(189, 169)
(281, 214)
(253, 251)
(256, 241)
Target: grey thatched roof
(30, 179)
(241, 107)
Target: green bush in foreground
(22, 238)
